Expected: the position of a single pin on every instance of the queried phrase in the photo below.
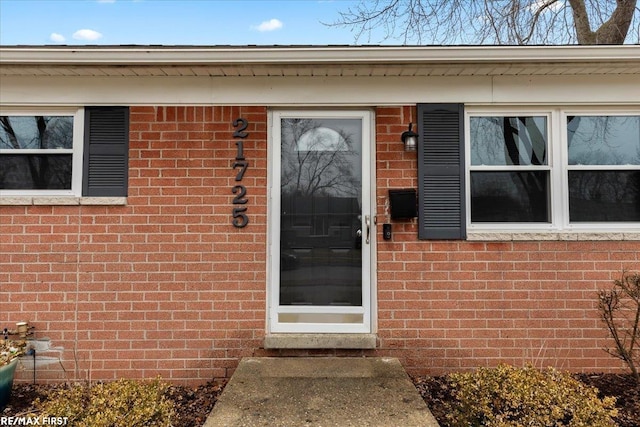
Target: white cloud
(270, 25)
(57, 38)
(89, 35)
(106, 1)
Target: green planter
(6, 381)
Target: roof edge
(203, 55)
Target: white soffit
(320, 61)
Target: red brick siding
(163, 286)
(447, 305)
(167, 286)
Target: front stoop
(320, 391)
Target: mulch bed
(624, 388)
(193, 405)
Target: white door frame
(367, 310)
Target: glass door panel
(321, 221)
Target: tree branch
(612, 31)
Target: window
(37, 151)
(604, 168)
(552, 170)
(509, 172)
(67, 152)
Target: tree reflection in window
(321, 211)
(318, 158)
(604, 168)
(36, 152)
(509, 176)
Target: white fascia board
(185, 55)
(321, 91)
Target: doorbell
(386, 231)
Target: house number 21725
(239, 212)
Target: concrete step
(320, 391)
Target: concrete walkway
(319, 391)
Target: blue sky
(172, 22)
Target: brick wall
(167, 286)
(162, 286)
(447, 305)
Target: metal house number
(239, 214)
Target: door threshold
(320, 341)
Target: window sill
(61, 200)
(554, 236)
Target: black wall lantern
(410, 139)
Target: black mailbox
(403, 203)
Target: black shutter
(441, 196)
(106, 152)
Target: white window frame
(592, 226)
(557, 155)
(76, 151)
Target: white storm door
(320, 222)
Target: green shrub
(122, 403)
(508, 397)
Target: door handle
(367, 223)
